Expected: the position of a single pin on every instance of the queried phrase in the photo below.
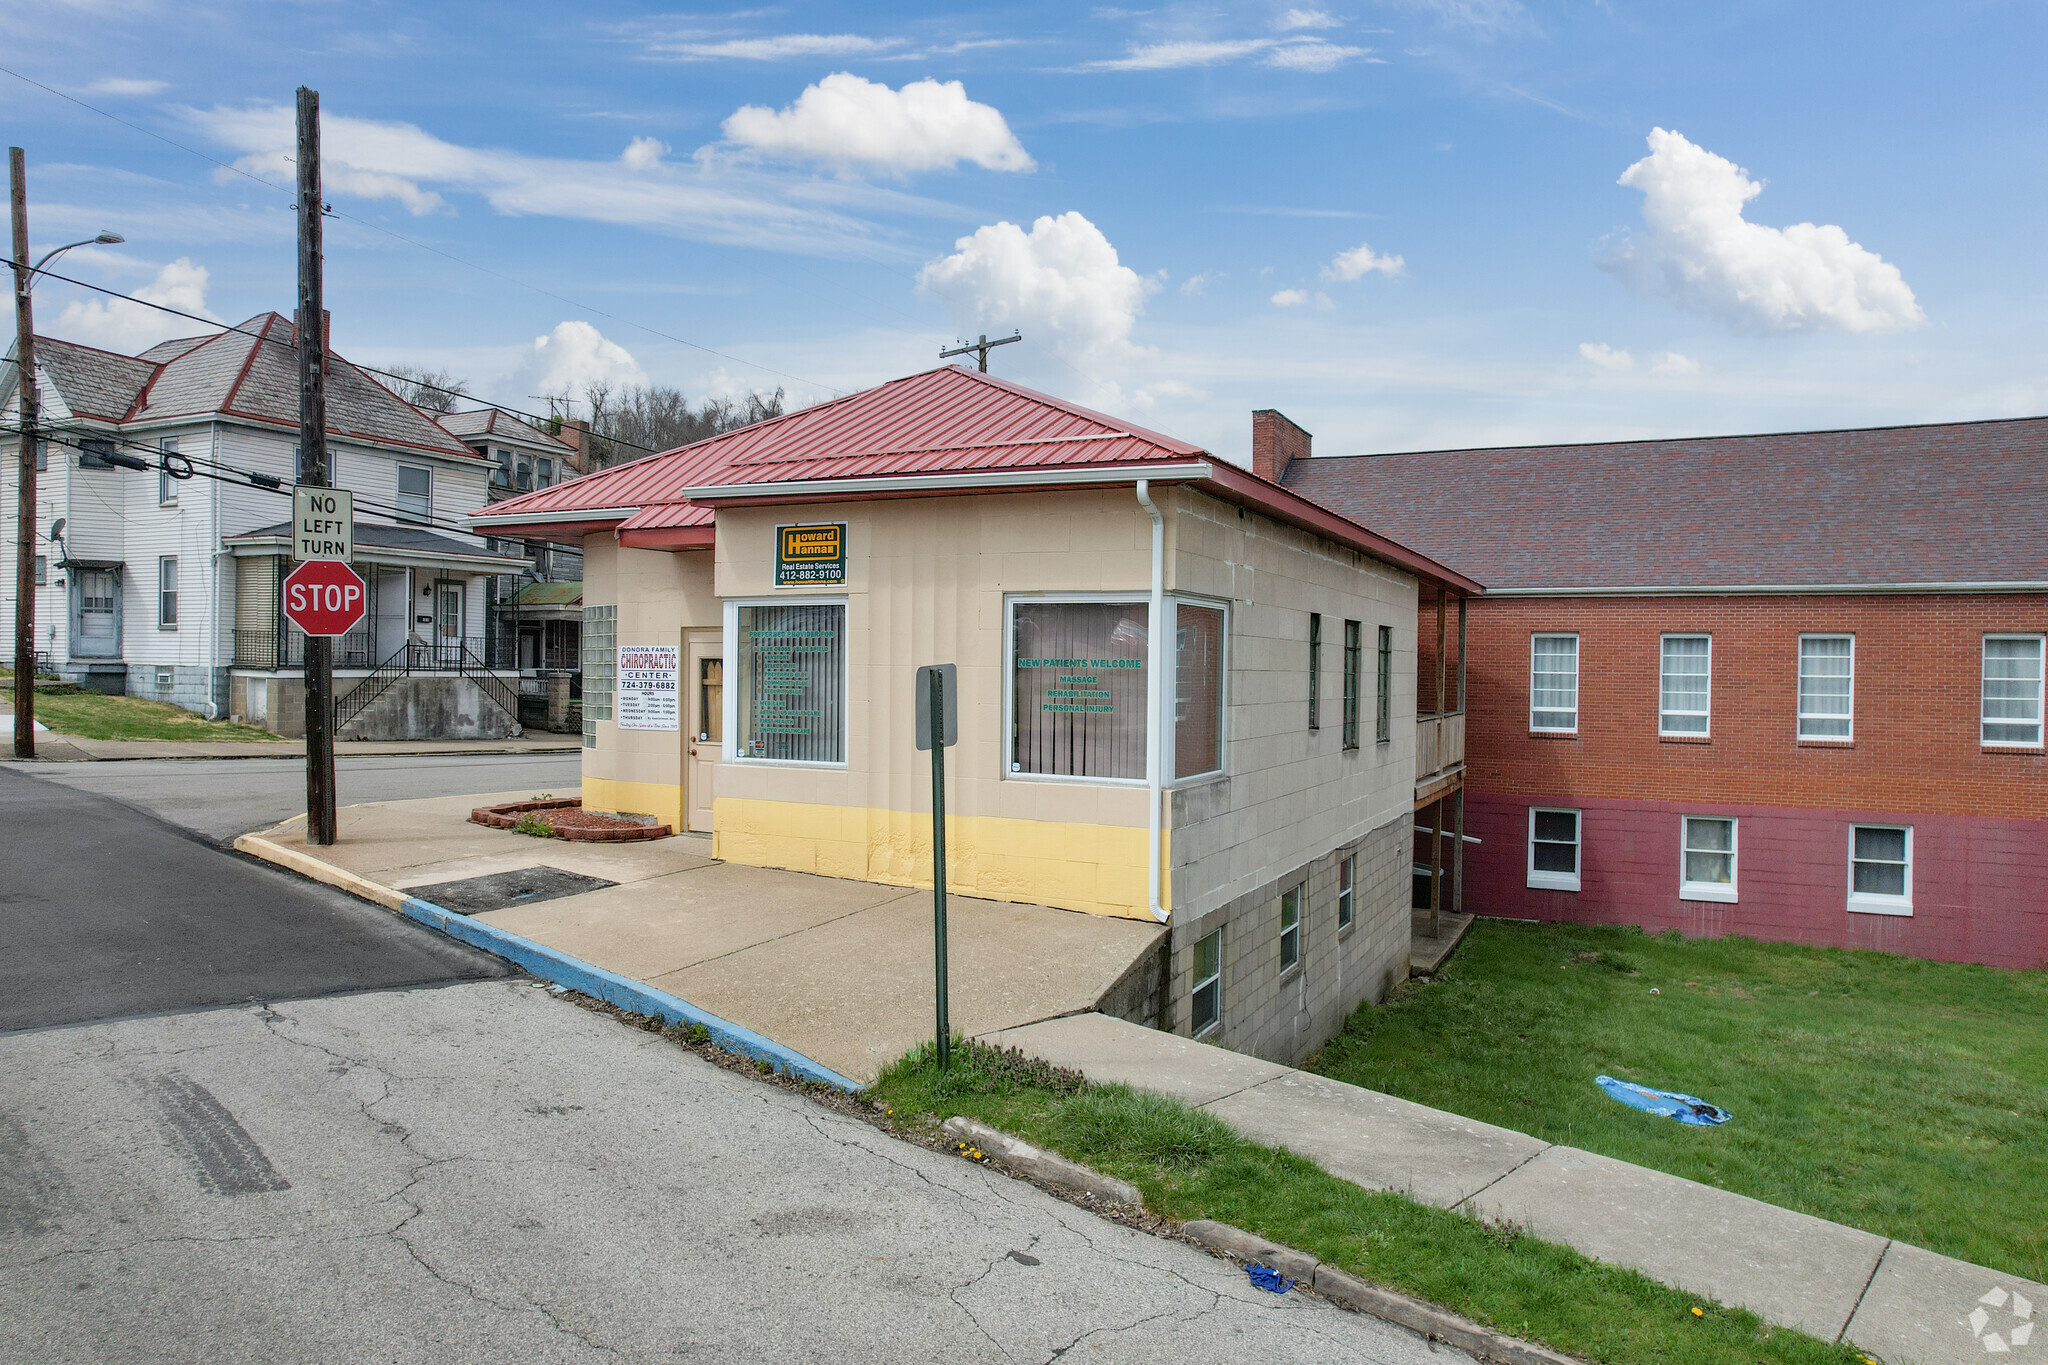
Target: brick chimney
(575, 434)
(1276, 443)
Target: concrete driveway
(841, 971)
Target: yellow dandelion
(1699, 1312)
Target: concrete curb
(1042, 1165)
(551, 964)
(1348, 1291)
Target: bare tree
(640, 421)
(433, 391)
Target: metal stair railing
(490, 684)
(380, 681)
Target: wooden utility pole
(25, 514)
(981, 348)
(312, 329)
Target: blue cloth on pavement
(1265, 1277)
(1667, 1103)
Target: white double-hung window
(1554, 683)
(1827, 687)
(2012, 691)
(790, 705)
(1079, 669)
(1684, 685)
(1553, 849)
(1707, 860)
(1881, 869)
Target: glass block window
(600, 667)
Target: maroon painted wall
(1980, 884)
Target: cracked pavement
(481, 1172)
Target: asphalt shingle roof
(383, 537)
(1960, 502)
(95, 383)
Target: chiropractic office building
(756, 606)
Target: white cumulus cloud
(1671, 362)
(1699, 252)
(1361, 261)
(1306, 18)
(1605, 356)
(1060, 283)
(643, 153)
(845, 120)
(574, 356)
(127, 326)
(1290, 298)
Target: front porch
(421, 666)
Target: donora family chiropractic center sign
(647, 684)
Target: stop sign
(324, 597)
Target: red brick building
(1784, 686)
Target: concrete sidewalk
(839, 971)
(1893, 1300)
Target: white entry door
(98, 621)
(394, 611)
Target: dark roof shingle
(1960, 502)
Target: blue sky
(1401, 223)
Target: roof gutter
(550, 518)
(1063, 476)
(1778, 589)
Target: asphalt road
(482, 1172)
(108, 911)
(228, 797)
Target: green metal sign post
(938, 725)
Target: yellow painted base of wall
(660, 800)
(1099, 869)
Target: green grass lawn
(92, 716)
(1908, 1098)
(1189, 1164)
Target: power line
(424, 246)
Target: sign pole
(938, 743)
(312, 322)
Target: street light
(104, 239)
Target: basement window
(1290, 929)
(1707, 870)
(1553, 849)
(1347, 890)
(1881, 869)
(1206, 1000)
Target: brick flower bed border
(507, 815)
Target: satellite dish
(57, 529)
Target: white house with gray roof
(161, 580)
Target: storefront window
(792, 698)
(1077, 700)
(1198, 691)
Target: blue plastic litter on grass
(1265, 1277)
(1665, 1103)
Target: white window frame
(1800, 717)
(1543, 879)
(1663, 730)
(1196, 987)
(1577, 672)
(398, 495)
(1347, 891)
(1711, 891)
(2040, 686)
(730, 703)
(166, 486)
(1299, 893)
(1174, 602)
(1871, 903)
(166, 566)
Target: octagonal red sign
(325, 597)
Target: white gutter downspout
(1155, 742)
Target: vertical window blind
(1077, 702)
(793, 682)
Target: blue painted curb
(550, 964)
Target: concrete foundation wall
(417, 707)
(1285, 1016)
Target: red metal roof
(945, 421)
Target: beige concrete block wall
(659, 594)
(1290, 794)
(1283, 1017)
